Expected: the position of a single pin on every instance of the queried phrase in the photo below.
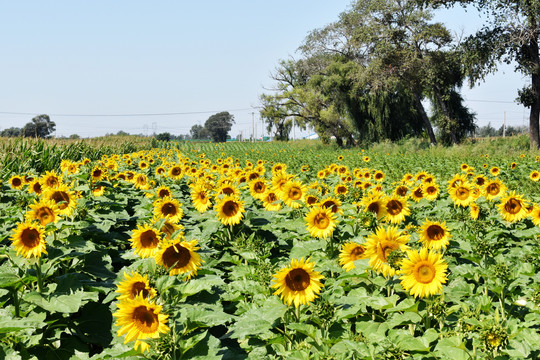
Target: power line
(493, 101)
(126, 115)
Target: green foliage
(219, 125)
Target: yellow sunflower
(97, 174)
(257, 188)
(168, 208)
(493, 189)
(375, 203)
(180, 257)
(378, 175)
(461, 194)
(16, 182)
(298, 283)
(341, 189)
(29, 240)
(320, 222)
(396, 209)
(401, 190)
(45, 211)
(495, 171)
(133, 285)
(293, 194)
(51, 180)
(423, 273)
(431, 191)
(175, 172)
(164, 191)
(271, 201)
(230, 210)
(535, 215)
(333, 204)
(167, 227)
(145, 240)
(140, 319)
(35, 187)
(534, 175)
(434, 235)
(513, 207)
(200, 198)
(380, 244)
(311, 200)
(350, 252)
(64, 198)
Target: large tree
(219, 125)
(511, 33)
(41, 126)
(199, 132)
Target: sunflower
(257, 188)
(51, 180)
(133, 285)
(379, 246)
(180, 257)
(350, 252)
(63, 197)
(140, 319)
(279, 180)
(423, 273)
(434, 235)
(474, 210)
(230, 210)
(341, 189)
(513, 207)
(494, 189)
(97, 174)
(271, 201)
(401, 190)
(98, 191)
(396, 209)
(168, 208)
(298, 283)
(513, 165)
(378, 175)
(320, 222)
(29, 240)
(461, 194)
(16, 182)
(535, 215)
(164, 191)
(175, 172)
(200, 198)
(45, 211)
(375, 203)
(226, 189)
(167, 227)
(145, 240)
(333, 204)
(35, 187)
(431, 191)
(293, 194)
(535, 175)
(480, 180)
(366, 159)
(311, 200)
(495, 171)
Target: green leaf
(195, 286)
(64, 304)
(258, 321)
(452, 348)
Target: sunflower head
(434, 235)
(16, 182)
(298, 283)
(423, 273)
(133, 285)
(381, 244)
(513, 207)
(350, 252)
(145, 241)
(180, 257)
(396, 209)
(29, 240)
(230, 210)
(45, 211)
(168, 208)
(320, 222)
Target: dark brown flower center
(61, 198)
(168, 209)
(230, 208)
(435, 232)
(512, 206)
(30, 238)
(297, 280)
(394, 207)
(139, 288)
(177, 256)
(145, 319)
(149, 239)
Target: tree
(219, 125)
(163, 136)
(199, 132)
(41, 126)
(511, 33)
(11, 132)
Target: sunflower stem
(39, 277)
(16, 302)
(297, 313)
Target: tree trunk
(446, 113)
(425, 118)
(535, 106)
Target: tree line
(368, 76)
(41, 126)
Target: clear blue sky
(133, 57)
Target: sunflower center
(297, 279)
(374, 207)
(418, 193)
(139, 288)
(295, 193)
(177, 256)
(493, 189)
(321, 221)
(431, 190)
(401, 191)
(311, 200)
(96, 173)
(394, 207)
(330, 205)
(341, 190)
(175, 171)
(462, 193)
(30, 238)
(480, 181)
(259, 187)
(230, 208)
(61, 198)
(168, 209)
(435, 232)
(357, 252)
(16, 182)
(512, 206)
(37, 188)
(145, 320)
(52, 182)
(45, 215)
(164, 192)
(425, 273)
(149, 239)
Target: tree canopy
(219, 125)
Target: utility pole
(252, 126)
(504, 125)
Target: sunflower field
(272, 251)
